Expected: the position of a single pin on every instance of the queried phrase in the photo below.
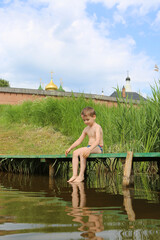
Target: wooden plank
(105, 155)
(127, 169)
(136, 156)
(147, 155)
(34, 156)
(108, 155)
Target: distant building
(51, 85)
(127, 92)
(40, 87)
(60, 89)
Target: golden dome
(51, 86)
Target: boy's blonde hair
(88, 111)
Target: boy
(95, 144)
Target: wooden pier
(126, 158)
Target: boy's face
(88, 120)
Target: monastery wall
(19, 95)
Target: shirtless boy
(95, 144)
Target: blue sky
(90, 44)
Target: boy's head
(88, 111)
(88, 115)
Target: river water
(36, 207)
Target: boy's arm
(77, 142)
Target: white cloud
(42, 35)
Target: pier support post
(127, 169)
(51, 174)
(51, 169)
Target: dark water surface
(34, 207)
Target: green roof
(61, 89)
(40, 87)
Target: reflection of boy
(95, 144)
(79, 211)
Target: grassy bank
(125, 127)
(50, 125)
(21, 139)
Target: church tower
(128, 86)
(51, 85)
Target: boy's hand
(66, 152)
(86, 153)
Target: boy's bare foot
(79, 179)
(72, 178)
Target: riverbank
(22, 139)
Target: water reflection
(91, 220)
(97, 209)
(127, 202)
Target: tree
(4, 83)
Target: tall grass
(125, 127)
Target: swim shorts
(101, 147)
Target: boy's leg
(83, 162)
(75, 162)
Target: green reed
(23, 166)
